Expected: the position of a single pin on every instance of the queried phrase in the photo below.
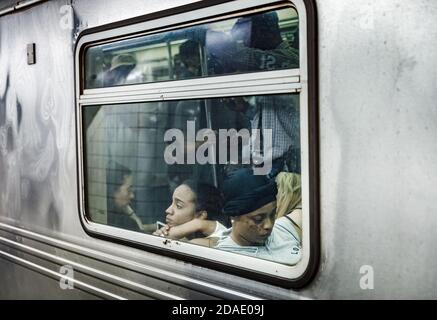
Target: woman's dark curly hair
(209, 199)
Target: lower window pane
(222, 173)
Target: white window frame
(259, 83)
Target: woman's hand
(163, 231)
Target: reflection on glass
(259, 42)
(163, 169)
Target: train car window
(194, 137)
(224, 47)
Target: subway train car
(212, 149)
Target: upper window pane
(258, 42)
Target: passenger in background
(195, 212)
(258, 46)
(250, 202)
(189, 55)
(121, 66)
(119, 182)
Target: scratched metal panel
(378, 130)
(37, 119)
(38, 147)
(37, 141)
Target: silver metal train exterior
(377, 115)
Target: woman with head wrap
(250, 202)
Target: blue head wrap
(245, 192)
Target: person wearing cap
(121, 66)
(250, 202)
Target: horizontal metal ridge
(187, 282)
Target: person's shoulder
(225, 239)
(283, 221)
(285, 225)
(220, 227)
(218, 231)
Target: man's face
(255, 227)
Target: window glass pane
(258, 42)
(223, 173)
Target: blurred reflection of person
(119, 182)
(189, 55)
(260, 46)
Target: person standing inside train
(259, 46)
